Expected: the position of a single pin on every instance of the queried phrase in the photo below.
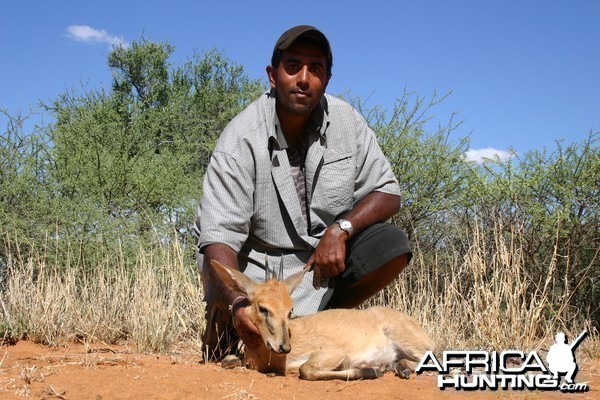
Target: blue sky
(523, 74)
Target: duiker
(333, 344)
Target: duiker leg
(315, 369)
(410, 340)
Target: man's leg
(220, 338)
(375, 258)
(353, 294)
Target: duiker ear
(233, 277)
(293, 281)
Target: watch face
(345, 225)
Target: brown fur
(333, 344)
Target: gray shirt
(250, 202)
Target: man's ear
(327, 80)
(272, 73)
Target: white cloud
(479, 155)
(87, 34)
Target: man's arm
(328, 258)
(226, 256)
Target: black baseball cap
(291, 35)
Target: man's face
(300, 78)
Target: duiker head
(270, 305)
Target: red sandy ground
(97, 372)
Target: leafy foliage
(430, 167)
(27, 197)
(546, 206)
(133, 158)
(553, 201)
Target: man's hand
(245, 328)
(328, 259)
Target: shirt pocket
(336, 182)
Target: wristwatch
(345, 225)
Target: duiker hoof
(404, 374)
(231, 361)
(371, 373)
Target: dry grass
(154, 305)
(486, 299)
(481, 298)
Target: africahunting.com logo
(492, 370)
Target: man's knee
(381, 246)
(375, 258)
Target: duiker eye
(263, 310)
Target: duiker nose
(285, 348)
